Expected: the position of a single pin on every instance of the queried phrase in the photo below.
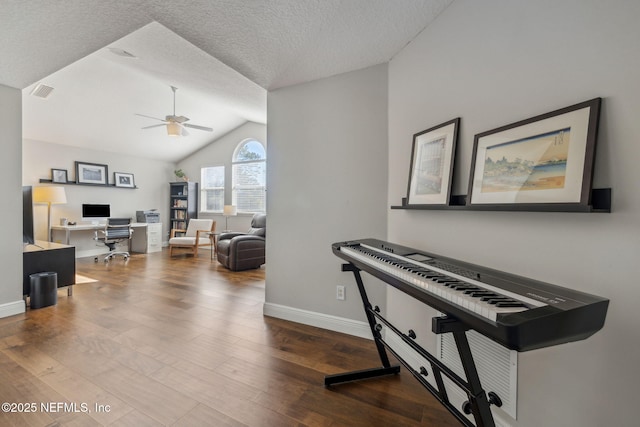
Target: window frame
(235, 187)
(204, 190)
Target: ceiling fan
(176, 125)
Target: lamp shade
(230, 210)
(174, 129)
(53, 195)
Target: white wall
(220, 153)
(11, 212)
(152, 178)
(493, 63)
(327, 178)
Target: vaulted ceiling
(222, 55)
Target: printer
(150, 216)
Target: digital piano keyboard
(519, 313)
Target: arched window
(250, 177)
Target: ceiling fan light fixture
(174, 129)
(176, 125)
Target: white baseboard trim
(12, 308)
(319, 320)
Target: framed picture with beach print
(547, 159)
(431, 168)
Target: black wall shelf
(600, 203)
(48, 181)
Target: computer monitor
(27, 215)
(91, 211)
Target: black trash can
(44, 289)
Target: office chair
(117, 230)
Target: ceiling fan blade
(197, 127)
(181, 119)
(184, 131)
(153, 126)
(149, 117)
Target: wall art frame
(91, 173)
(544, 160)
(122, 179)
(59, 176)
(431, 168)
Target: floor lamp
(229, 210)
(50, 196)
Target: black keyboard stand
(386, 368)
(477, 404)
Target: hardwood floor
(158, 341)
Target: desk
(140, 232)
(48, 256)
(146, 240)
(68, 229)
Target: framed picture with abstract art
(91, 173)
(432, 164)
(547, 159)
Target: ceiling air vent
(41, 91)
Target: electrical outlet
(340, 292)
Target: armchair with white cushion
(195, 236)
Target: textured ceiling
(272, 43)
(95, 100)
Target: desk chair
(117, 230)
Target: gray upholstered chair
(194, 237)
(244, 251)
(116, 231)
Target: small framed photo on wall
(431, 169)
(59, 176)
(123, 180)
